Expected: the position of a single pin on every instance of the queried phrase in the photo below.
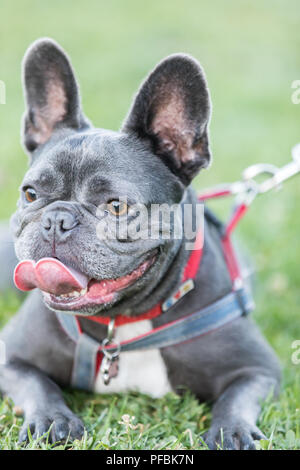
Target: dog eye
(117, 208)
(30, 194)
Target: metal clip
(109, 365)
(278, 175)
(259, 169)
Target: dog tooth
(73, 294)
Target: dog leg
(236, 411)
(42, 403)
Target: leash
(90, 356)
(247, 189)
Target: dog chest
(141, 371)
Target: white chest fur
(141, 371)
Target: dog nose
(58, 224)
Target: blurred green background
(250, 53)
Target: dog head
(84, 182)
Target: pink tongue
(49, 275)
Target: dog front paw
(233, 436)
(63, 426)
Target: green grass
(250, 52)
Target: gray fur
(74, 170)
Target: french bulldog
(76, 168)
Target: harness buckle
(278, 175)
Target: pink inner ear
(55, 109)
(171, 125)
(53, 112)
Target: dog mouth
(67, 289)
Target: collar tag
(186, 287)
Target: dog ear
(172, 109)
(51, 93)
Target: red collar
(190, 272)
